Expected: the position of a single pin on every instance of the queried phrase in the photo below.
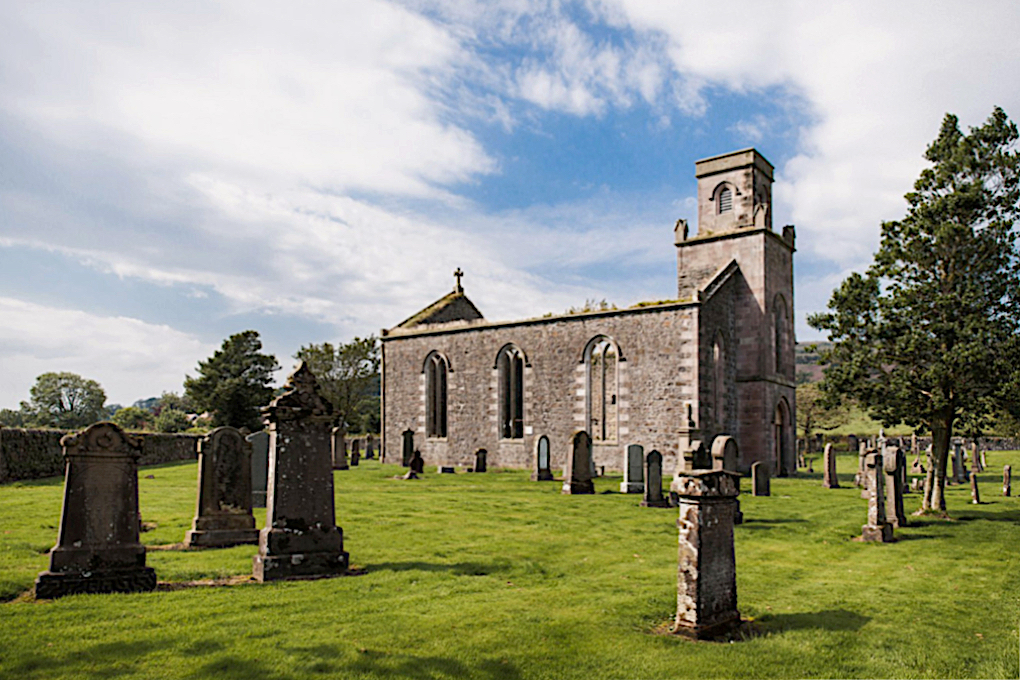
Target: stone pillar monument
(301, 538)
(223, 516)
(338, 448)
(706, 573)
(98, 548)
(878, 528)
(543, 469)
(894, 464)
(653, 497)
(830, 481)
(1007, 480)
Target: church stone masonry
(725, 346)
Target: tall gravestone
(975, 458)
(862, 460)
(577, 477)
(355, 452)
(301, 538)
(406, 447)
(653, 497)
(481, 460)
(634, 470)
(830, 481)
(259, 467)
(958, 473)
(369, 447)
(760, 479)
(98, 548)
(975, 494)
(894, 464)
(878, 529)
(338, 448)
(543, 467)
(223, 516)
(852, 443)
(726, 456)
(706, 571)
(1007, 480)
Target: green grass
(494, 576)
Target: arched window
(602, 358)
(436, 369)
(725, 200)
(719, 380)
(781, 334)
(510, 364)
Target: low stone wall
(33, 454)
(984, 443)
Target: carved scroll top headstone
(301, 397)
(101, 439)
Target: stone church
(453, 382)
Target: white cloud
(129, 358)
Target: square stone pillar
(706, 573)
(877, 529)
(98, 548)
(300, 539)
(223, 516)
(894, 464)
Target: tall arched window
(436, 369)
(510, 364)
(602, 357)
(781, 332)
(719, 380)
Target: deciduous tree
(348, 376)
(64, 400)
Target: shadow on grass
(778, 520)
(405, 666)
(107, 660)
(831, 620)
(460, 568)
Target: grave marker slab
(760, 479)
(830, 480)
(223, 516)
(878, 529)
(338, 449)
(634, 470)
(259, 467)
(407, 447)
(577, 474)
(543, 468)
(653, 497)
(894, 465)
(481, 460)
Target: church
(454, 382)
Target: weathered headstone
(878, 529)
(760, 479)
(706, 571)
(370, 447)
(543, 468)
(860, 479)
(407, 447)
(894, 464)
(653, 497)
(301, 538)
(259, 467)
(830, 480)
(691, 453)
(975, 495)
(338, 448)
(416, 466)
(726, 456)
(984, 460)
(355, 452)
(481, 460)
(223, 516)
(1007, 480)
(959, 476)
(852, 443)
(577, 473)
(98, 549)
(634, 470)
(975, 458)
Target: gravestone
(830, 480)
(653, 497)
(958, 473)
(634, 470)
(259, 467)
(865, 479)
(577, 478)
(223, 517)
(543, 468)
(760, 479)
(338, 448)
(407, 447)
(1007, 480)
(975, 495)
(894, 465)
(878, 529)
(975, 458)
(706, 569)
(860, 479)
(369, 447)
(691, 453)
(417, 463)
(481, 460)
(97, 548)
(355, 452)
(984, 460)
(301, 538)
(852, 443)
(726, 456)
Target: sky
(174, 173)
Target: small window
(725, 200)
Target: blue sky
(172, 173)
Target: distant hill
(808, 368)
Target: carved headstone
(975, 495)
(577, 478)
(543, 468)
(1007, 480)
(98, 549)
(355, 452)
(481, 460)
(852, 443)
(370, 447)
(862, 460)
(706, 571)
(301, 538)
(653, 497)
(259, 467)
(894, 465)
(830, 481)
(760, 479)
(634, 470)
(223, 516)
(726, 456)
(407, 447)
(878, 529)
(338, 448)
(959, 476)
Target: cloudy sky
(173, 173)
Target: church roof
(452, 307)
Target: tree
(817, 411)
(132, 418)
(348, 377)
(928, 336)
(11, 418)
(234, 383)
(171, 420)
(64, 400)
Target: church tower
(735, 227)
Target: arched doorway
(782, 440)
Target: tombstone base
(877, 534)
(579, 488)
(662, 503)
(543, 476)
(343, 466)
(703, 632)
(50, 585)
(411, 474)
(258, 499)
(632, 487)
(299, 566)
(738, 515)
(447, 470)
(220, 538)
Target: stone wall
(33, 454)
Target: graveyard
(495, 575)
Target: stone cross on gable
(458, 274)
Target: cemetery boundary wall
(33, 454)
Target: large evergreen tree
(234, 383)
(928, 336)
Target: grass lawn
(495, 576)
